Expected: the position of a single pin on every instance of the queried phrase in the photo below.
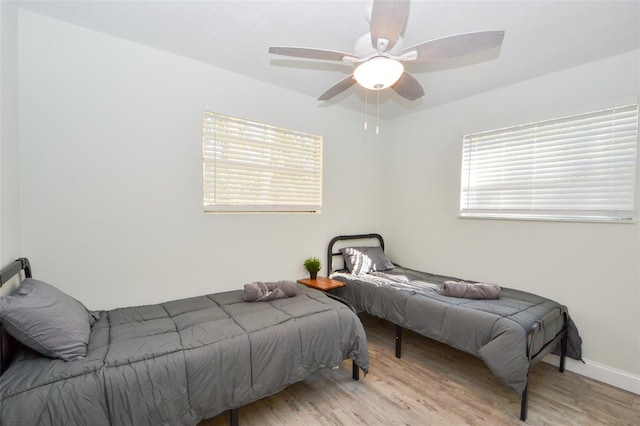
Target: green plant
(312, 264)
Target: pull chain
(366, 104)
(378, 114)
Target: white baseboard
(602, 373)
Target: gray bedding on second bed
(494, 330)
(179, 362)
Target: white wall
(111, 168)
(9, 174)
(593, 268)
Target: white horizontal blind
(575, 168)
(251, 166)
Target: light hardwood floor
(433, 384)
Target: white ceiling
(541, 37)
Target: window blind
(250, 166)
(574, 168)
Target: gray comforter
(179, 362)
(494, 330)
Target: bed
(510, 334)
(173, 363)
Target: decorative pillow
(362, 260)
(47, 320)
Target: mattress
(493, 330)
(179, 362)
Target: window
(253, 167)
(574, 168)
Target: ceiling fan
(379, 54)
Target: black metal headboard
(8, 345)
(15, 268)
(331, 253)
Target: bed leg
(233, 417)
(356, 371)
(398, 341)
(563, 350)
(524, 404)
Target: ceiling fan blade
(408, 87)
(388, 19)
(310, 53)
(338, 88)
(457, 45)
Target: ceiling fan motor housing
(363, 47)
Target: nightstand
(322, 283)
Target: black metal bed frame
(9, 346)
(561, 337)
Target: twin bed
(173, 363)
(186, 360)
(510, 333)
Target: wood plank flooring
(433, 384)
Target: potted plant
(313, 265)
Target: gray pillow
(47, 320)
(362, 260)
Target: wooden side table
(322, 283)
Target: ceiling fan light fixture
(378, 73)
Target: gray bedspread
(493, 330)
(182, 361)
